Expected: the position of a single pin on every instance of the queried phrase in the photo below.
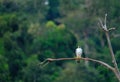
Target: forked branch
(106, 30)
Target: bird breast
(78, 51)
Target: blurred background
(33, 30)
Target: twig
(111, 29)
(101, 22)
(105, 19)
(45, 64)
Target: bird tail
(78, 60)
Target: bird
(78, 53)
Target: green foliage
(8, 23)
(53, 11)
(8, 6)
(14, 58)
(117, 58)
(1, 46)
(32, 71)
(115, 44)
(75, 73)
(54, 41)
(4, 69)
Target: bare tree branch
(112, 53)
(111, 29)
(86, 59)
(105, 20)
(104, 27)
(101, 23)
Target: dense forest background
(33, 30)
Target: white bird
(78, 53)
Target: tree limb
(86, 59)
(104, 27)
